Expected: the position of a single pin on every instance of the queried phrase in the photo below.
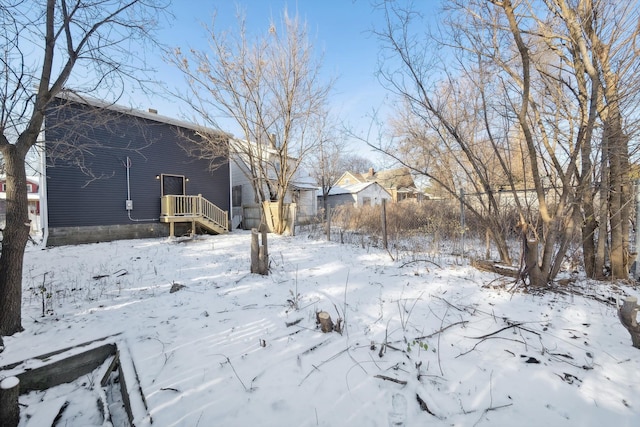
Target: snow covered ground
(425, 342)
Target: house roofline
(94, 102)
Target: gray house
(115, 173)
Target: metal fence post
(384, 224)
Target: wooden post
(9, 409)
(264, 254)
(384, 223)
(628, 315)
(328, 223)
(255, 250)
(259, 254)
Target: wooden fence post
(263, 256)
(9, 409)
(328, 223)
(259, 253)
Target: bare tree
(331, 159)
(271, 88)
(354, 163)
(534, 79)
(593, 42)
(324, 165)
(45, 47)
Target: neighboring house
(304, 194)
(359, 194)
(114, 173)
(246, 211)
(398, 182)
(33, 196)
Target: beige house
(398, 182)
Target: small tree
(41, 45)
(271, 88)
(331, 159)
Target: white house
(360, 194)
(245, 209)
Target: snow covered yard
(429, 342)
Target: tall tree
(45, 47)
(542, 79)
(271, 88)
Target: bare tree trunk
(14, 240)
(619, 243)
(588, 234)
(281, 222)
(496, 233)
(626, 198)
(537, 277)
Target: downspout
(42, 190)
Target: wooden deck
(195, 210)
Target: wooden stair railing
(197, 209)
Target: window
(236, 195)
(366, 201)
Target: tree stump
(9, 409)
(628, 315)
(324, 319)
(532, 267)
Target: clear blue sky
(340, 30)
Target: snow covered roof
(350, 189)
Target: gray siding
(336, 200)
(88, 186)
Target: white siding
(374, 193)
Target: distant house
(33, 188)
(303, 193)
(246, 211)
(359, 194)
(114, 173)
(398, 182)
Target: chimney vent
(153, 111)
